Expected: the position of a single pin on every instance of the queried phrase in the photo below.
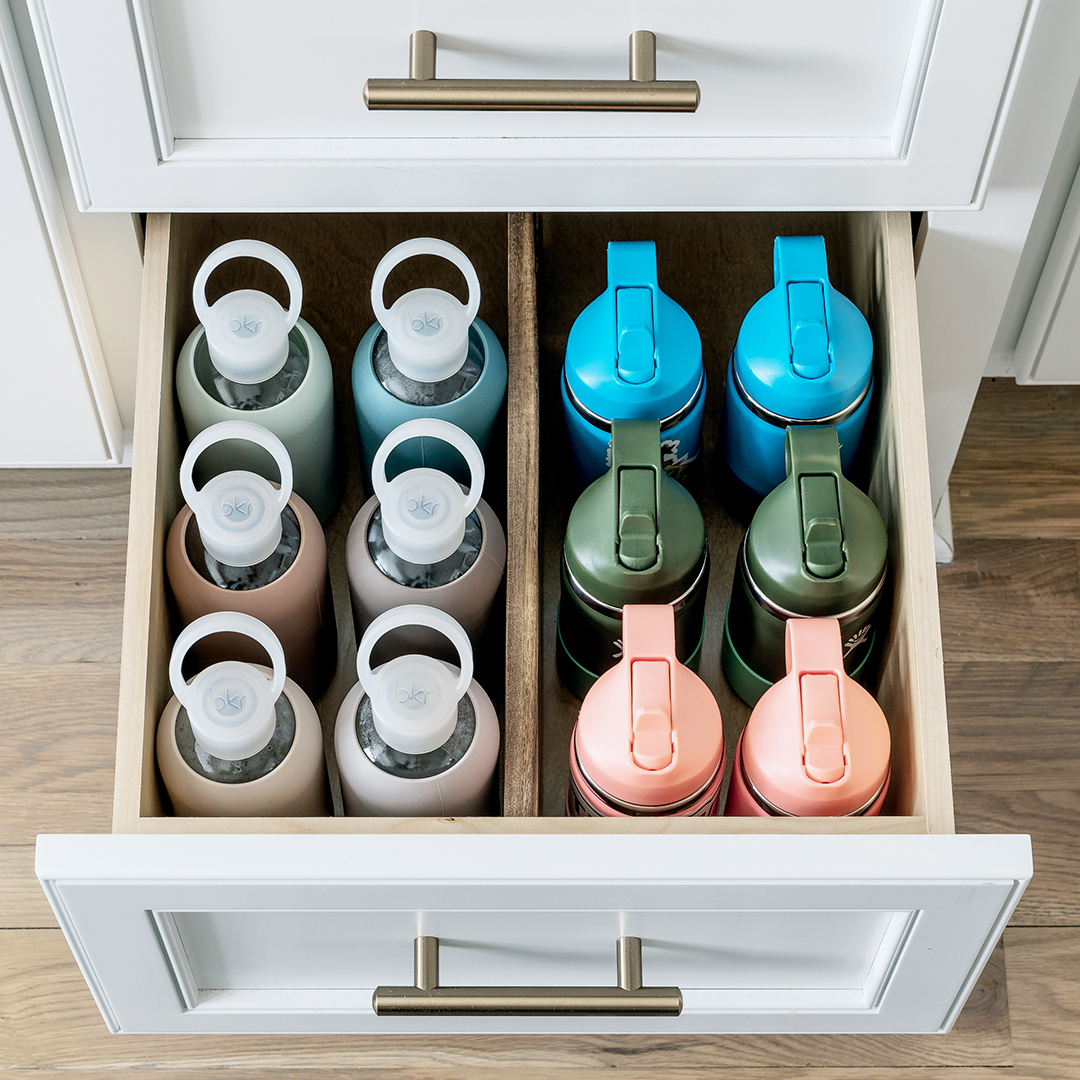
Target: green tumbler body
(816, 548)
(635, 536)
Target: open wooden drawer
(844, 925)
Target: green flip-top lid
(635, 536)
(817, 544)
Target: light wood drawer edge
(882, 273)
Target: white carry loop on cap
(247, 331)
(238, 512)
(414, 698)
(230, 704)
(427, 330)
(424, 510)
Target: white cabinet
(854, 924)
(57, 405)
(189, 104)
(1048, 350)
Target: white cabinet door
(191, 104)
(56, 405)
(1048, 350)
(761, 933)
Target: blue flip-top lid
(633, 353)
(804, 350)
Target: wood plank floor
(1010, 615)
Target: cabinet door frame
(114, 117)
(80, 423)
(942, 902)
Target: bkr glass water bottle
(416, 736)
(428, 355)
(242, 544)
(249, 357)
(240, 740)
(421, 540)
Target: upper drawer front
(172, 104)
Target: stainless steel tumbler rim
(604, 423)
(599, 606)
(775, 811)
(776, 420)
(633, 808)
(771, 608)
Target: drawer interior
(716, 266)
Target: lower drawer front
(779, 933)
(279, 924)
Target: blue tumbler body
(804, 355)
(633, 354)
(379, 410)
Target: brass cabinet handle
(428, 998)
(640, 93)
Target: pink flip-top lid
(649, 731)
(817, 743)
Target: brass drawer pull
(640, 93)
(428, 998)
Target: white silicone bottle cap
(238, 512)
(230, 704)
(414, 698)
(427, 330)
(424, 510)
(247, 332)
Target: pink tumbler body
(817, 744)
(649, 739)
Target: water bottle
(816, 548)
(421, 540)
(242, 544)
(635, 536)
(247, 355)
(427, 356)
(240, 740)
(633, 353)
(416, 736)
(804, 355)
(649, 738)
(817, 744)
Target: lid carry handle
(235, 429)
(429, 427)
(649, 658)
(635, 444)
(414, 615)
(254, 249)
(632, 263)
(632, 277)
(801, 269)
(225, 622)
(815, 656)
(636, 468)
(424, 245)
(637, 547)
(812, 453)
